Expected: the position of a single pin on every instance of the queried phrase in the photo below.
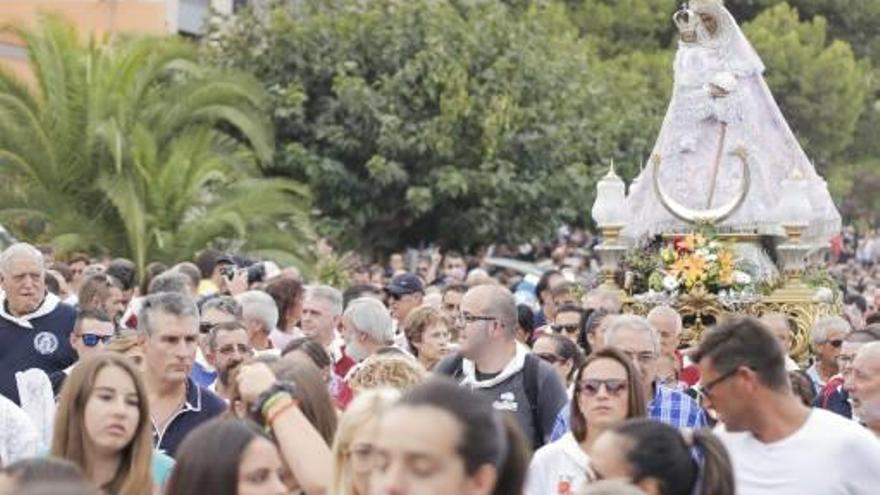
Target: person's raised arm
(302, 447)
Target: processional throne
(730, 207)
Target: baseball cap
(406, 283)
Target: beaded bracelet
(280, 409)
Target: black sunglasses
(591, 386)
(549, 357)
(573, 328)
(91, 339)
(205, 326)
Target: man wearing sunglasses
(777, 445)
(827, 338)
(92, 332)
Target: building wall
(100, 18)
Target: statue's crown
(686, 20)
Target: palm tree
(138, 148)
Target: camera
(255, 273)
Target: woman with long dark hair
(228, 457)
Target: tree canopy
(470, 122)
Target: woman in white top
(607, 391)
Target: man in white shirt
(777, 445)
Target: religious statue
(724, 147)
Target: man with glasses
(827, 339)
(569, 321)
(228, 347)
(405, 294)
(92, 332)
(834, 396)
(636, 338)
(216, 310)
(492, 363)
(777, 445)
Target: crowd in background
(505, 372)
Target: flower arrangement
(698, 259)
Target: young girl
(103, 425)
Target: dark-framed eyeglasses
(591, 386)
(706, 388)
(549, 357)
(92, 339)
(468, 318)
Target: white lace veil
(729, 40)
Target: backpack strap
(530, 384)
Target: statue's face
(709, 23)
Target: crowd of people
(432, 375)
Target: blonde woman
(354, 444)
(392, 370)
(103, 426)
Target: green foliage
(805, 68)
(135, 148)
(470, 122)
(428, 120)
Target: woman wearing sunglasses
(607, 392)
(103, 426)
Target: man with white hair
(35, 325)
(321, 320)
(259, 313)
(827, 339)
(863, 385)
(366, 327)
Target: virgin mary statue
(723, 141)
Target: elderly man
(35, 325)
(169, 324)
(366, 328)
(827, 339)
(493, 364)
(216, 310)
(259, 314)
(835, 396)
(228, 347)
(863, 385)
(321, 319)
(406, 293)
(777, 445)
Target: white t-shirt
(558, 468)
(828, 455)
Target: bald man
(493, 364)
(780, 325)
(863, 385)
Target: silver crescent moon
(710, 216)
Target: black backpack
(453, 368)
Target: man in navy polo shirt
(169, 324)
(35, 325)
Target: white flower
(670, 283)
(741, 278)
(702, 252)
(711, 257)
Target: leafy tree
(820, 86)
(465, 124)
(139, 149)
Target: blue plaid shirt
(668, 406)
